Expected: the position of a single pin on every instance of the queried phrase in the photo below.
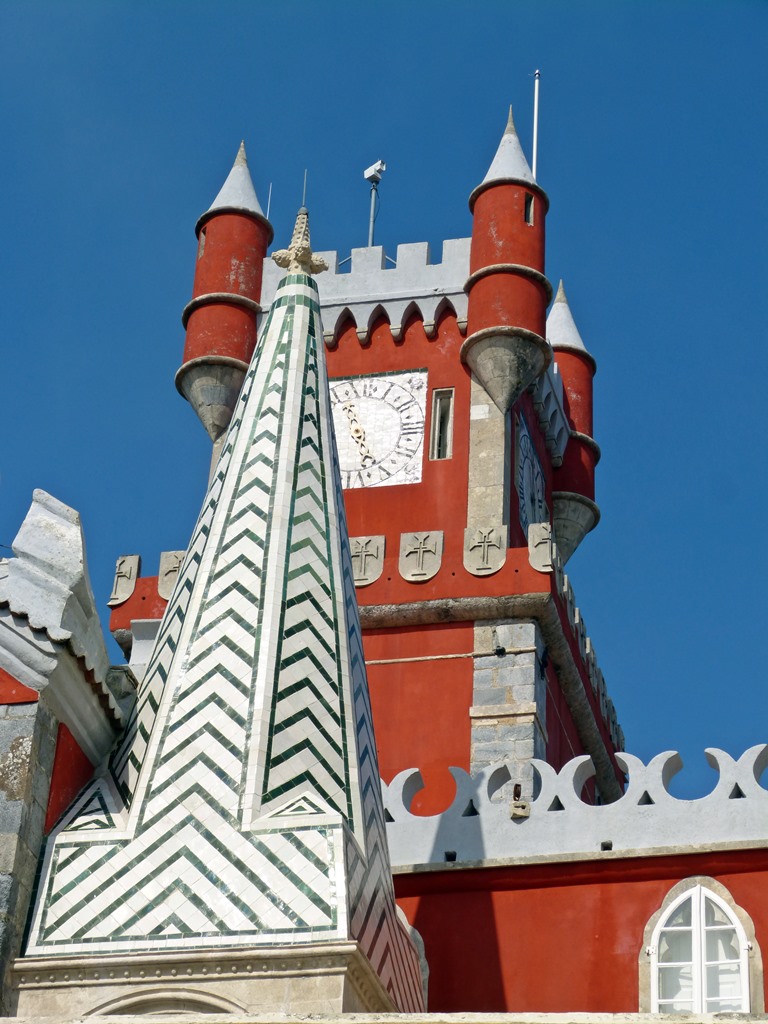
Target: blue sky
(120, 122)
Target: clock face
(379, 424)
(531, 485)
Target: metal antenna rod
(372, 220)
(304, 193)
(536, 78)
(269, 199)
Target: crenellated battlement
(482, 823)
(372, 287)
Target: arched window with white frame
(699, 956)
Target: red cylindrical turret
(577, 472)
(508, 292)
(575, 512)
(221, 318)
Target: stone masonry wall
(27, 748)
(509, 700)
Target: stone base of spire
(320, 978)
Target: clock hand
(357, 433)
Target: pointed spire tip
(237, 192)
(509, 164)
(562, 331)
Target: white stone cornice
(47, 581)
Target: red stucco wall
(557, 938)
(421, 707)
(71, 771)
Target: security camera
(374, 172)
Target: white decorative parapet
(482, 824)
(371, 288)
(50, 634)
(47, 582)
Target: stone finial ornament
(298, 257)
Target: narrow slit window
(528, 208)
(201, 245)
(441, 442)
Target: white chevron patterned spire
(243, 805)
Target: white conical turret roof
(238, 192)
(509, 164)
(562, 332)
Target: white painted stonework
(367, 558)
(50, 635)
(127, 571)
(47, 581)
(646, 818)
(369, 286)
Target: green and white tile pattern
(242, 805)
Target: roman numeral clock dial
(379, 424)
(531, 484)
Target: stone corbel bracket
(482, 825)
(544, 557)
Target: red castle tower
(545, 869)
(461, 455)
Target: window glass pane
(714, 914)
(676, 947)
(528, 209)
(724, 982)
(718, 1005)
(700, 959)
(676, 983)
(682, 916)
(678, 1006)
(441, 442)
(722, 945)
